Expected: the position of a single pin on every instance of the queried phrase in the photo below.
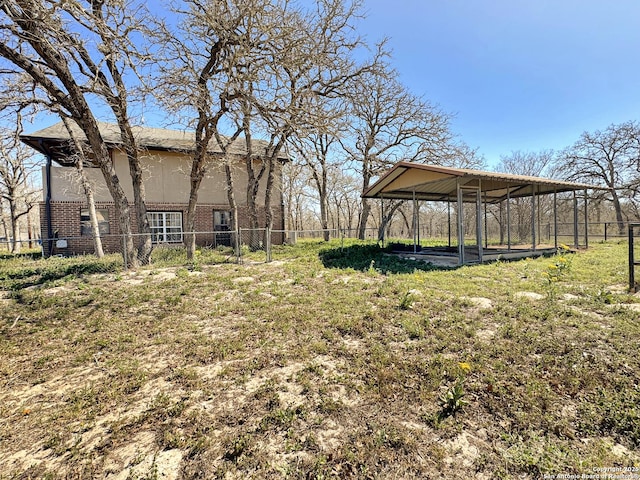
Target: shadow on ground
(43, 272)
(366, 257)
(35, 255)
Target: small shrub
(556, 271)
(451, 401)
(407, 300)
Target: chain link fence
(8, 246)
(169, 249)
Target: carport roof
(436, 183)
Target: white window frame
(166, 227)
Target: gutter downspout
(282, 212)
(47, 203)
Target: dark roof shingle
(147, 137)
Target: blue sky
(519, 75)
(524, 75)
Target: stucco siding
(166, 180)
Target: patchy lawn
(321, 364)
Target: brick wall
(66, 225)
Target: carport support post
(533, 218)
(382, 219)
(418, 219)
(486, 228)
(415, 223)
(479, 220)
(586, 220)
(460, 225)
(508, 219)
(576, 242)
(539, 218)
(449, 220)
(555, 219)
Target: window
(222, 223)
(221, 220)
(85, 222)
(166, 227)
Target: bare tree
(344, 198)
(315, 152)
(206, 64)
(19, 101)
(533, 164)
(295, 180)
(80, 58)
(609, 158)
(260, 68)
(17, 166)
(80, 157)
(391, 124)
(307, 59)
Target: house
(166, 162)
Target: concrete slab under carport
(439, 257)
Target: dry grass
(319, 365)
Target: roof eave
(550, 186)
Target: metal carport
(422, 182)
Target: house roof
(436, 183)
(54, 140)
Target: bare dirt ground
(299, 371)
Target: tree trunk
(197, 174)
(144, 245)
(5, 227)
(366, 207)
(88, 190)
(233, 206)
(386, 218)
(253, 182)
(618, 209)
(324, 204)
(91, 205)
(103, 158)
(122, 208)
(29, 231)
(364, 217)
(268, 212)
(324, 216)
(15, 227)
(272, 164)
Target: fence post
(268, 244)
(238, 245)
(632, 262)
(125, 253)
(605, 231)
